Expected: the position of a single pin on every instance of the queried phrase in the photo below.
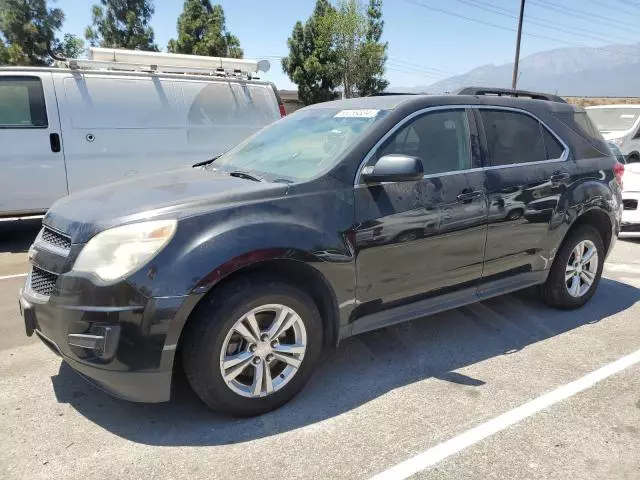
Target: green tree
(4, 53)
(312, 62)
(122, 24)
(373, 53)
(356, 39)
(71, 46)
(202, 31)
(28, 28)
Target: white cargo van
(619, 124)
(118, 114)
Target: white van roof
(120, 61)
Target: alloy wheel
(263, 350)
(581, 269)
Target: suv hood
(171, 194)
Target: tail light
(283, 112)
(618, 171)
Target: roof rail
(507, 92)
(386, 94)
(136, 60)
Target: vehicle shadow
(360, 370)
(17, 236)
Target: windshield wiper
(206, 162)
(245, 175)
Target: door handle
(467, 197)
(559, 178)
(54, 141)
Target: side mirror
(394, 168)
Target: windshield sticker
(363, 113)
(626, 115)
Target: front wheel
(576, 270)
(252, 346)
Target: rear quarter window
(592, 143)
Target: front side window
(513, 138)
(440, 139)
(22, 103)
(301, 145)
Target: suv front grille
(42, 282)
(630, 204)
(55, 238)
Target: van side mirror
(394, 168)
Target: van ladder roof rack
(507, 92)
(136, 60)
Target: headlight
(116, 252)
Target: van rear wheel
(252, 346)
(576, 270)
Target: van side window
(440, 139)
(22, 103)
(512, 137)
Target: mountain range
(611, 71)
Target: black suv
(344, 217)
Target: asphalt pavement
(380, 399)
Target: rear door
(415, 239)
(527, 174)
(31, 156)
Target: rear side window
(512, 137)
(22, 103)
(439, 139)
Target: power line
(581, 14)
(502, 27)
(543, 23)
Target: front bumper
(127, 351)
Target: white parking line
(430, 457)
(18, 275)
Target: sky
(429, 40)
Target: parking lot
(432, 391)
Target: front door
(31, 157)
(419, 238)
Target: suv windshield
(302, 145)
(611, 119)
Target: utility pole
(517, 60)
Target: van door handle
(54, 141)
(559, 178)
(467, 197)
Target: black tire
(515, 214)
(208, 328)
(554, 291)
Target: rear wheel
(576, 270)
(252, 346)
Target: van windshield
(301, 145)
(612, 119)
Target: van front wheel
(252, 346)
